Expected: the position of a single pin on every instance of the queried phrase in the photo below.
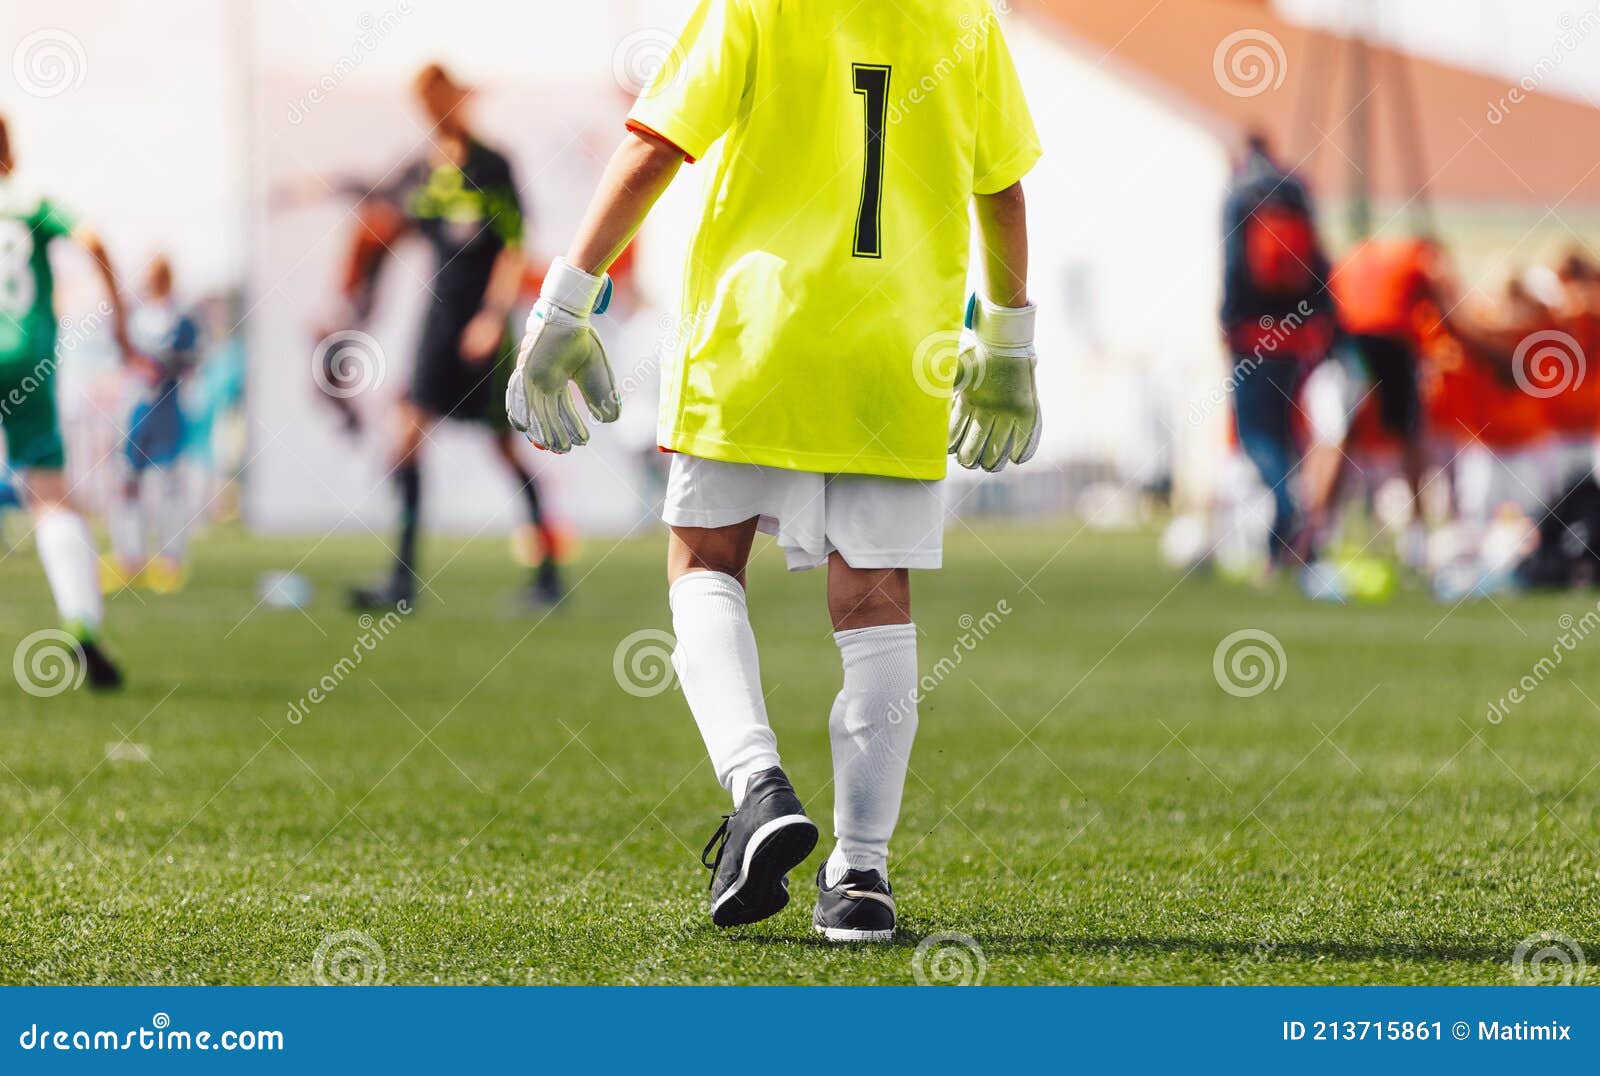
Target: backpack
(1280, 249)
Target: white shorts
(872, 522)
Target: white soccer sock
(720, 673)
(125, 518)
(873, 723)
(172, 513)
(67, 550)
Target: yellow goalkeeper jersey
(824, 287)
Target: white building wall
(1124, 217)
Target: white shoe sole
(846, 934)
(757, 840)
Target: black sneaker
(757, 845)
(100, 671)
(859, 909)
(384, 596)
(546, 588)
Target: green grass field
(483, 803)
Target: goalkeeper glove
(560, 346)
(995, 418)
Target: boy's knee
(868, 598)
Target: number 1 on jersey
(872, 83)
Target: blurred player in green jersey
(29, 223)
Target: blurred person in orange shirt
(1384, 290)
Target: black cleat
(100, 671)
(546, 588)
(859, 909)
(390, 595)
(757, 845)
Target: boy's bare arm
(91, 242)
(995, 417)
(1003, 229)
(561, 348)
(639, 171)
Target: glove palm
(995, 418)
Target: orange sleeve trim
(641, 128)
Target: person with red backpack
(1277, 319)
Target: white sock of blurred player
(171, 514)
(125, 519)
(720, 673)
(873, 724)
(67, 550)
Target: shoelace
(719, 841)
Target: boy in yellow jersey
(807, 400)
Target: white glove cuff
(571, 289)
(1004, 326)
